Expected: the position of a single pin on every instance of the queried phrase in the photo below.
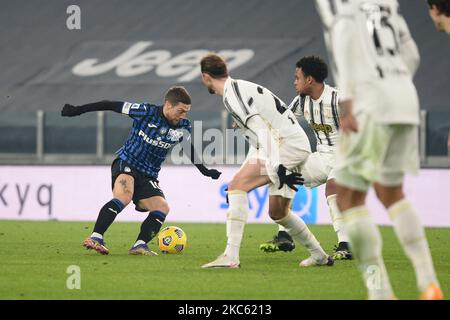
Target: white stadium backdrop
(76, 193)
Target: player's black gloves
(212, 173)
(291, 179)
(70, 111)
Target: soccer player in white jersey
(317, 103)
(439, 11)
(272, 129)
(375, 59)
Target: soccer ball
(172, 240)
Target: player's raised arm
(71, 111)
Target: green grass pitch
(34, 257)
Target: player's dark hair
(176, 95)
(214, 65)
(442, 5)
(313, 66)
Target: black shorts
(144, 186)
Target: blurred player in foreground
(375, 59)
(135, 171)
(440, 14)
(317, 102)
(273, 130)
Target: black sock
(151, 225)
(107, 215)
(284, 235)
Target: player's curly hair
(177, 94)
(442, 5)
(214, 65)
(313, 66)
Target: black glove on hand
(212, 173)
(291, 180)
(70, 111)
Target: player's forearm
(104, 105)
(72, 111)
(410, 55)
(196, 161)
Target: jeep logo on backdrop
(162, 61)
(138, 59)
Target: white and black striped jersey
(245, 100)
(373, 57)
(321, 114)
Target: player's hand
(291, 179)
(212, 173)
(347, 118)
(70, 111)
(348, 123)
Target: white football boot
(313, 262)
(223, 261)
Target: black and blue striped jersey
(151, 137)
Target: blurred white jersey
(244, 100)
(321, 115)
(373, 57)
(267, 123)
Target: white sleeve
(269, 144)
(295, 106)
(408, 48)
(342, 48)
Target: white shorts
(317, 169)
(378, 152)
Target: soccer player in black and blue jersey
(135, 170)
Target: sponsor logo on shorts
(127, 169)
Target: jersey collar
(322, 95)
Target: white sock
(337, 219)
(366, 245)
(281, 228)
(298, 230)
(96, 235)
(411, 235)
(138, 243)
(236, 220)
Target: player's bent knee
(164, 207)
(125, 199)
(390, 195)
(276, 215)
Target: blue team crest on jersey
(163, 130)
(174, 135)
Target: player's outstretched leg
(411, 235)
(105, 218)
(236, 220)
(282, 241)
(342, 250)
(149, 229)
(299, 231)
